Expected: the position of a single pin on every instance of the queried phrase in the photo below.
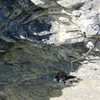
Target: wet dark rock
(9, 5)
(4, 46)
(19, 20)
(78, 6)
(1, 16)
(37, 27)
(28, 30)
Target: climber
(61, 76)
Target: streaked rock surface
(39, 37)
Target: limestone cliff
(39, 37)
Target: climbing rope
(90, 46)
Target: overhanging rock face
(23, 19)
